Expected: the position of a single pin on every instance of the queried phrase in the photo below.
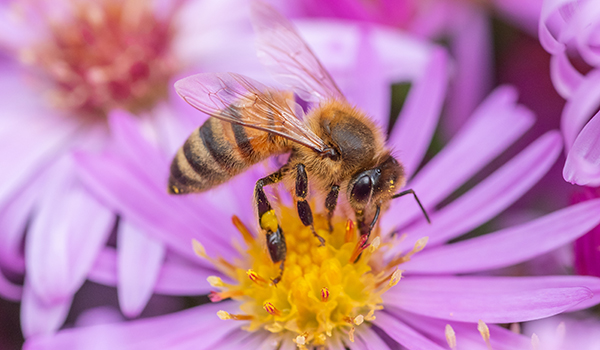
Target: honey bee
(335, 145)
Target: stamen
(199, 249)
(215, 281)
(300, 340)
(535, 342)
(349, 231)
(271, 309)
(360, 246)
(218, 296)
(358, 320)
(485, 333)
(324, 294)
(371, 315)
(396, 276)
(515, 328)
(351, 334)
(224, 315)
(375, 244)
(248, 237)
(274, 327)
(561, 330)
(450, 337)
(256, 278)
(419, 245)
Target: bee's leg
(304, 211)
(268, 220)
(363, 227)
(331, 203)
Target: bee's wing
(241, 100)
(282, 50)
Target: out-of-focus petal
(511, 245)
(471, 48)
(551, 23)
(492, 128)
(370, 340)
(467, 335)
(139, 263)
(39, 317)
(580, 107)
(403, 334)
(173, 278)
(452, 299)
(489, 197)
(66, 234)
(419, 116)
(164, 332)
(565, 77)
(149, 207)
(525, 14)
(9, 290)
(583, 161)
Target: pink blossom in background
(578, 331)
(65, 66)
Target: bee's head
(377, 184)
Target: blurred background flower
(65, 65)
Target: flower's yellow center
(107, 54)
(324, 291)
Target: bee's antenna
(416, 198)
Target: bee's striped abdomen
(214, 153)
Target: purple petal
(491, 300)
(565, 77)
(39, 317)
(493, 127)
(403, 334)
(583, 161)
(549, 18)
(148, 206)
(525, 14)
(139, 263)
(467, 335)
(173, 279)
(580, 107)
(511, 245)
(491, 196)
(471, 47)
(419, 116)
(68, 231)
(197, 328)
(8, 290)
(370, 339)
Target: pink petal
(487, 299)
(403, 334)
(493, 127)
(8, 290)
(139, 263)
(467, 335)
(370, 340)
(580, 107)
(181, 330)
(471, 47)
(525, 14)
(68, 231)
(148, 206)
(418, 118)
(583, 161)
(39, 317)
(491, 196)
(565, 77)
(511, 245)
(549, 17)
(173, 279)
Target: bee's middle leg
(304, 211)
(268, 221)
(331, 203)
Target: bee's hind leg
(268, 221)
(302, 205)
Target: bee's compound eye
(361, 190)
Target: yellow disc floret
(324, 291)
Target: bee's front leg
(365, 229)
(302, 205)
(331, 203)
(268, 221)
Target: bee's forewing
(282, 50)
(242, 100)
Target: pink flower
(573, 26)
(409, 287)
(68, 64)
